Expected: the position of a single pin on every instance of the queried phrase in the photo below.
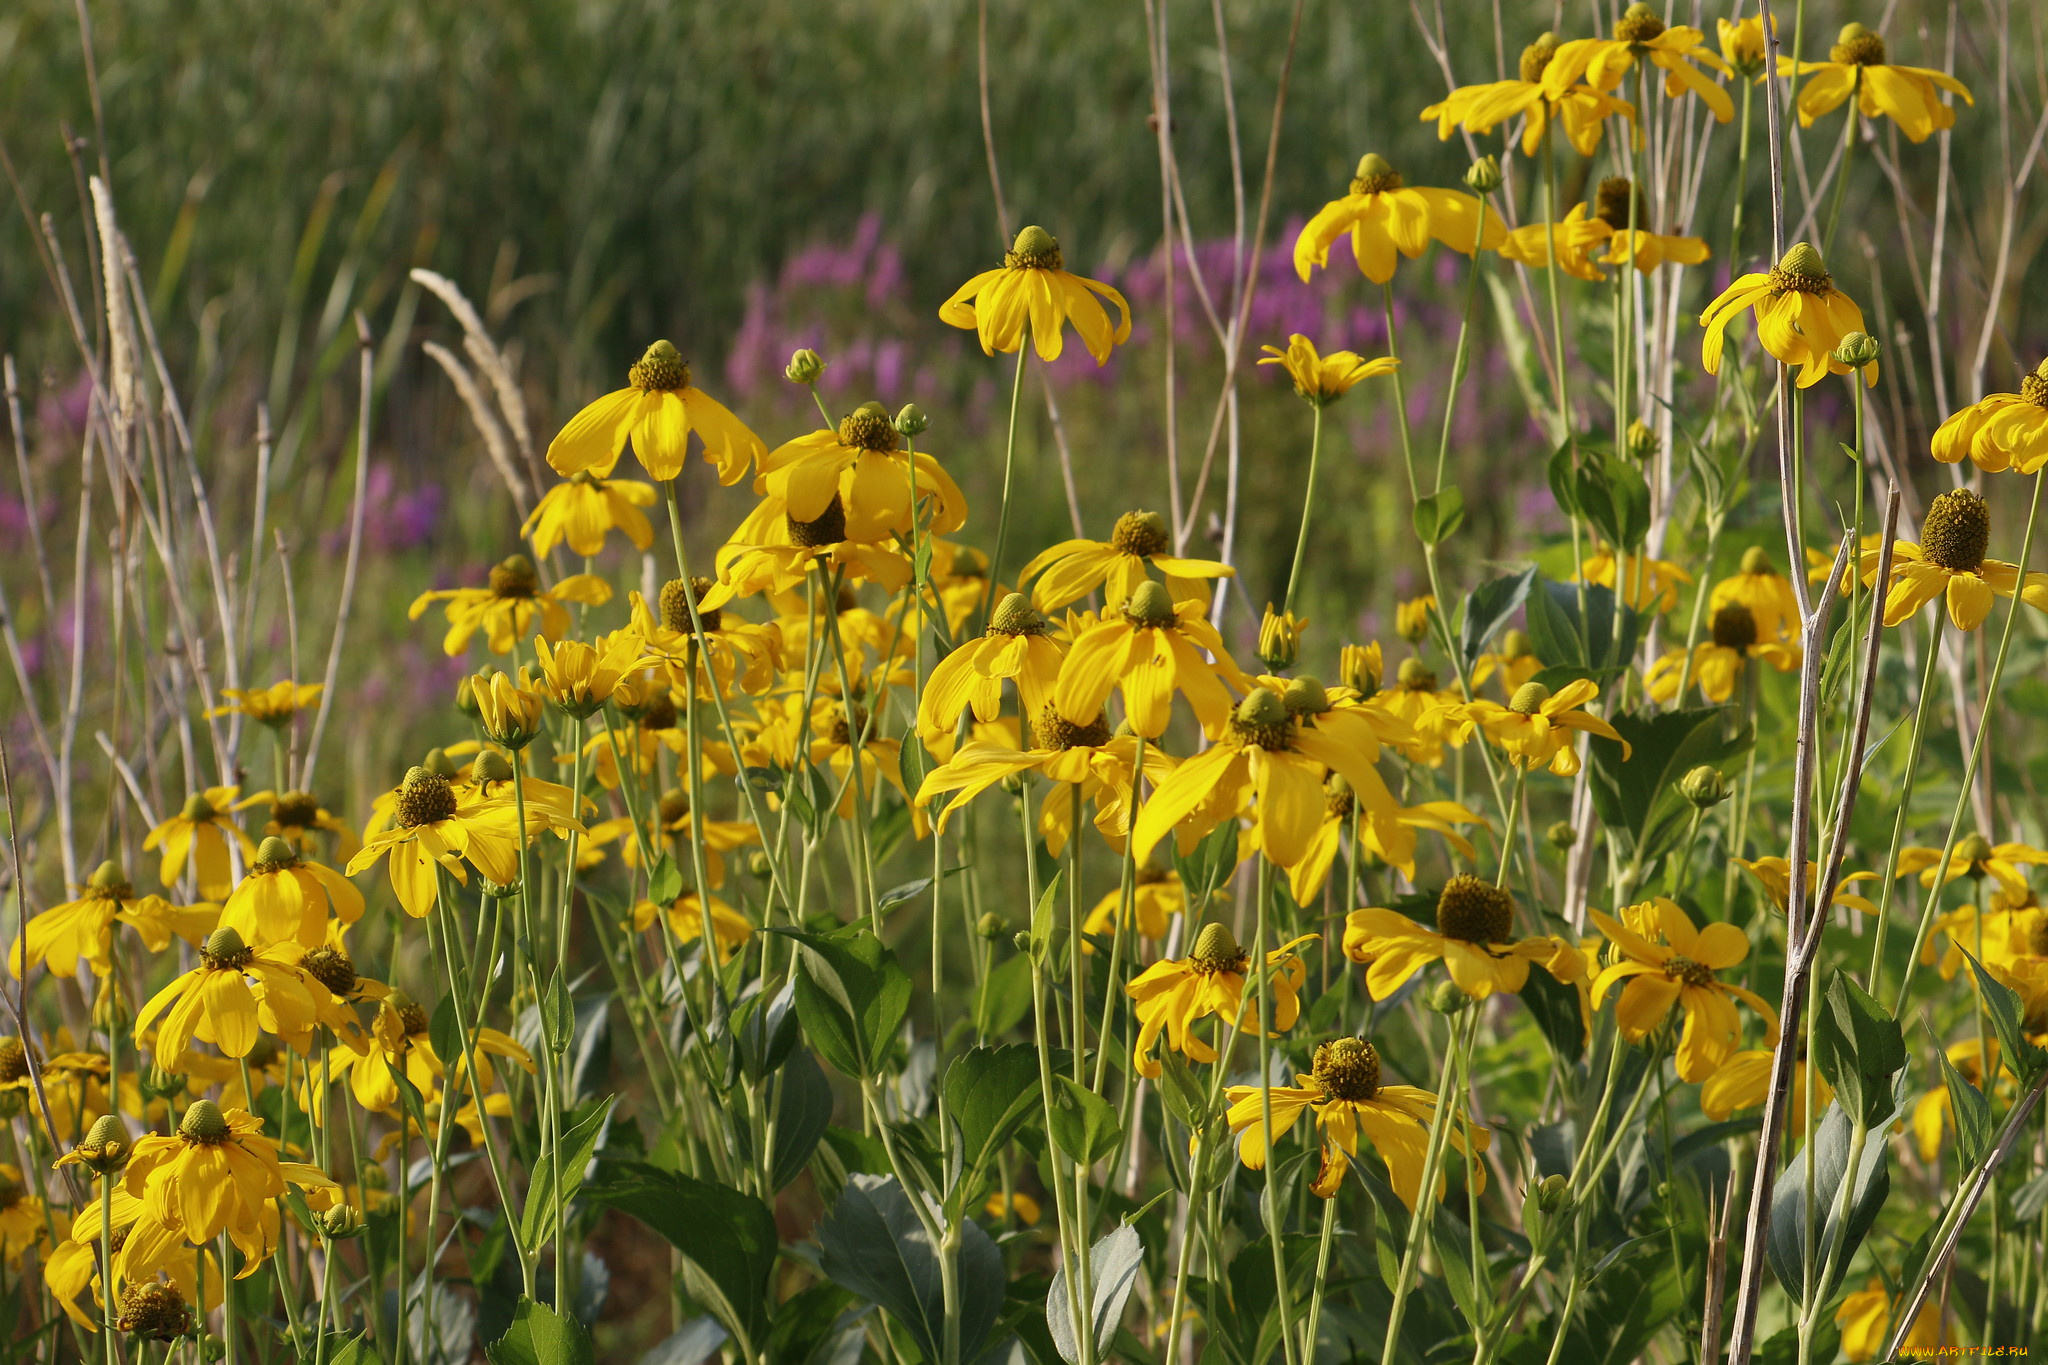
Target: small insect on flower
(1346, 1093)
(1384, 217)
(1032, 289)
(1801, 318)
(1908, 95)
(656, 411)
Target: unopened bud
(805, 365)
(1704, 787)
(1643, 443)
(1279, 639)
(1561, 835)
(1483, 176)
(1446, 998)
(342, 1222)
(991, 926)
(911, 420)
(1857, 350)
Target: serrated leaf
(541, 1336)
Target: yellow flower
(1097, 764)
(1764, 592)
(1276, 749)
(508, 710)
(22, 1226)
(579, 678)
(1577, 237)
(1392, 842)
(1323, 379)
(285, 897)
(1515, 661)
(1156, 897)
(1383, 218)
(673, 821)
(1072, 569)
(1019, 645)
(1157, 648)
(864, 466)
(84, 929)
(507, 609)
(1948, 562)
(399, 1042)
(1641, 34)
(1539, 727)
(1907, 95)
(1865, 1318)
(657, 411)
(1652, 584)
(1801, 317)
(1411, 617)
(434, 828)
(581, 510)
(772, 552)
(215, 1002)
(1361, 668)
(1432, 716)
(274, 705)
(730, 648)
(686, 921)
(1774, 874)
(1975, 857)
(1743, 46)
(1473, 938)
(1032, 288)
(1345, 1093)
(143, 1248)
(1744, 1080)
(1171, 996)
(295, 815)
(1479, 108)
(216, 1174)
(1680, 971)
(200, 832)
(1717, 661)
(2002, 430)
(1022, 1205)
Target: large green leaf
(1113, 1264)
(875, 1245)
(1489, 608)
(727, 1239)
(541, 1336)
(851, 996)
(1084, 1125)
(1640, 793)
(990, 1093)
(577, 1144)
(1872, 1183)
(1859, 1048)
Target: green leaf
(851, 996)
(1614, 497)
(875, 1245)
(1969, 1108)
(1640, 794)
(1562, 473)
(1113, 1264)
(1872, 1182)
(1084, 1125)
(558, 1015)
(1005, 996)
(805, 1114)
(1208, 864)
(2002, 1003)
(1859, 1048)
(1489, 608)
(991, 1092)
(901, 895)
(359, 1350)
(1556, 1010)
(664, 881)
(727, 1239)
(1439, 515)
(1553, 625)
(541, 1336)
(444, 1032)
(577, 1145)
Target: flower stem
(1308, 502)
(995, 562)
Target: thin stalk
(1269, 1202)
(1308, 502)
(995, 562)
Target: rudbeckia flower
(215, 1002)
(1865, 1318)
(1641, 34)
(863, 465)
(64, 934)
(1393, 844)
(508, 710)
(731, 649)
(274, 705)
(1018, 646)
(1650, 584)
(1033, 289)
(657, 411)
(216, 1174)
(295, 816)
(284, 896)
(1717, 661)
(1578, 238)
(1801, 317)
(399, 1041)
(1514, 661)
(1276, 750)
(22, 1225)
(200, 832)
(1948, 562)
(1743, 46)
(1767, 595)
(508, 607)
(2009, 936)
(1639, 246)
(1156, 897)
(1774, 875)
(1098, 764)
(1434, 716)
(577, 678)
(1150, 650)
(433, 829)
(1072, 569)
(73, 1268)
(1539, 727)
(685, 916)
(1580, 109)
(1473, 938)
(1975, 857)
(1170, 997)
(1344, 1091)
(772, 552)
(1907, 95)
(1322, 379)
(1411, 617)
(1383, 217)
(2002, 430)
(1680, 971)
(580, 511)
(1743, 1081)
(673, 823)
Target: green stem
(1308, 502)
(1269, 1201)
(995, 563)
